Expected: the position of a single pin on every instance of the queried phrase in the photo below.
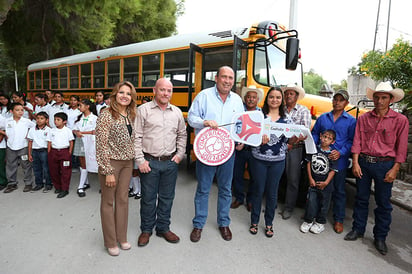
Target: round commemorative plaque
(213, 146)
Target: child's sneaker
(305, 227)
(317, 228)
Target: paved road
(42, 234)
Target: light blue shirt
(208, 105)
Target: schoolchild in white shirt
(20, 97)
(38, 152)
(3, 177)
(74, 111)
(41, 104)
(5, 106)
(58, 106)
(60, 149)
(16, 129)
(85, 124)
(100, 103)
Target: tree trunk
(5, 6)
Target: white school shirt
(44, 108)
(60, 137)
(39, 137)
(99, 107)
(86, 123)
(17, 132)
(72, 115)
(6, 114)
(55, 109)
(2, 126)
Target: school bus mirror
(292, 53)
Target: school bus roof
(174, 42)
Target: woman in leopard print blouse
(114, 153)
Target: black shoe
(138, 196)
(86, 187)
(2, 187)
(62, 194)
(381, 246)
(37, 188)
(47, 188)
(57, 191)
(81, 192)
(353, 236)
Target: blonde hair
(114, 106)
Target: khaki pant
(114, 206)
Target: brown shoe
(338, 227)
(169, 236)
(196, 234)
(143, 239)
(226, 233)
(10, 188)
(27, 188)
(235, 204)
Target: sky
(333, 34)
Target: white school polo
(60, 137)
(39, 137)
(44, 108)
(55, 109)
(17, 132)
(72, 115)
(86, 123)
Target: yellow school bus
(264, 54)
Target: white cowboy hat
(296, 88)
(253, 88)
(386, 87)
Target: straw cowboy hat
(253, 88)
(386, 87)
(298, 89)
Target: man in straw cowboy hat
(379, 147)
(298, 115)
(251, 97)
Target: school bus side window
(98, 75)
(150, 70)
(177, 67)
(131, 70)
(85, 72)
(74, 77)
(113, 72)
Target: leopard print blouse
(112, 141)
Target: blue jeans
(383, 192)
(241, 158)
(267, 176)
(158, 192)
(339, 195)
(317, 205)
(41, 167)
(205, 175)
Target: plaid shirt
(299, 115)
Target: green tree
(38, 30)
(395, 66)
(312, 82)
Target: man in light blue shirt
(213, 107)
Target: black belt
(375, 159)
(160, 158)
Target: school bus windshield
(269, 67)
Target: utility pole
(293, 14)
(377, 23)
(387, 27)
